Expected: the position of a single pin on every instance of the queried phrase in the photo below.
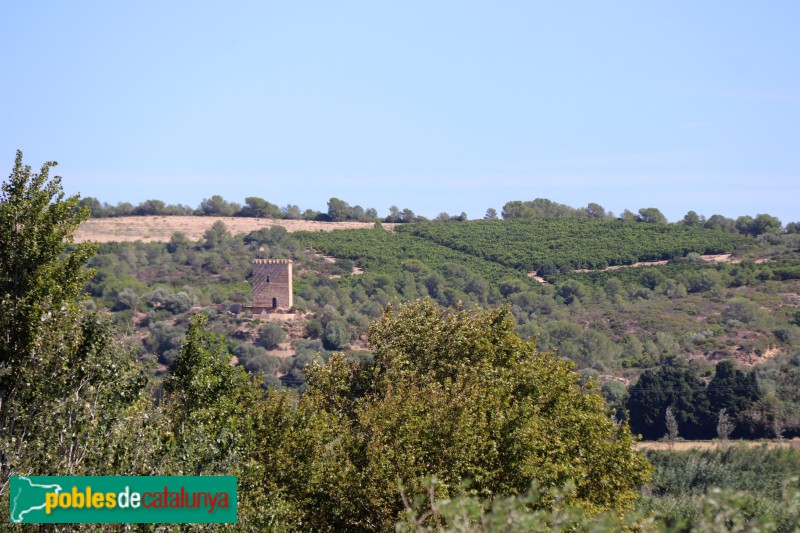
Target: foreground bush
(456, 395)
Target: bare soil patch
(160, 228)
(535, 275)
(713, 444)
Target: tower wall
(272, 283)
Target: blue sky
(436, 106)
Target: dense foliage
(562, 244)
(438, 418)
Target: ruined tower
(272, 283)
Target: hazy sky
(436, 106)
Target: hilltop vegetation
(564, 244)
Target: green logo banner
(122, 499)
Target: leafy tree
(459, 395)
(745, 225)
(764, 223)
(615, 394)
(41, 275)
(271, 335)
(407, 215)
(693, 219)
(338, 210)
(128, 299)
(258, 207)
(538, 208)
(652, 215)
(720, 222)
(217, 206)
(150, 207)
(394, 214)
(491, 214)
(216, 235)
(63, 380)
(336, 335)
(292, 212)
(209, 406)
(595, 210)
(94, 206)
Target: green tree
(732, 389)
(461, 396)
(216, 235)
(271, 335)
(338, 210)
(41, 274)
(217, 206)
(595, 210)
(210, 408)
(63, 380)
(745, 225)
(669, 387)
(765, 223)
(336, 335)
(258, 207)
(652, 215)
(149, 207)
(693, 219)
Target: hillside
(615, 325)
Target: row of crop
(565, 244)
(384, 252)
(727, 274)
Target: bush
(270, 336)
(336, 335)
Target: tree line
(339, 211)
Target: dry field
(711, 444)
(160, 228)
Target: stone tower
(272, 283)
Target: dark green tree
(217, 206)
(732, 389)
(652, 215)
(258, 207)
(693, 219)
(338, 210)
(675, 387)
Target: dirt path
(713, 444)
(160, 228)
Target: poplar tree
(63, 379)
